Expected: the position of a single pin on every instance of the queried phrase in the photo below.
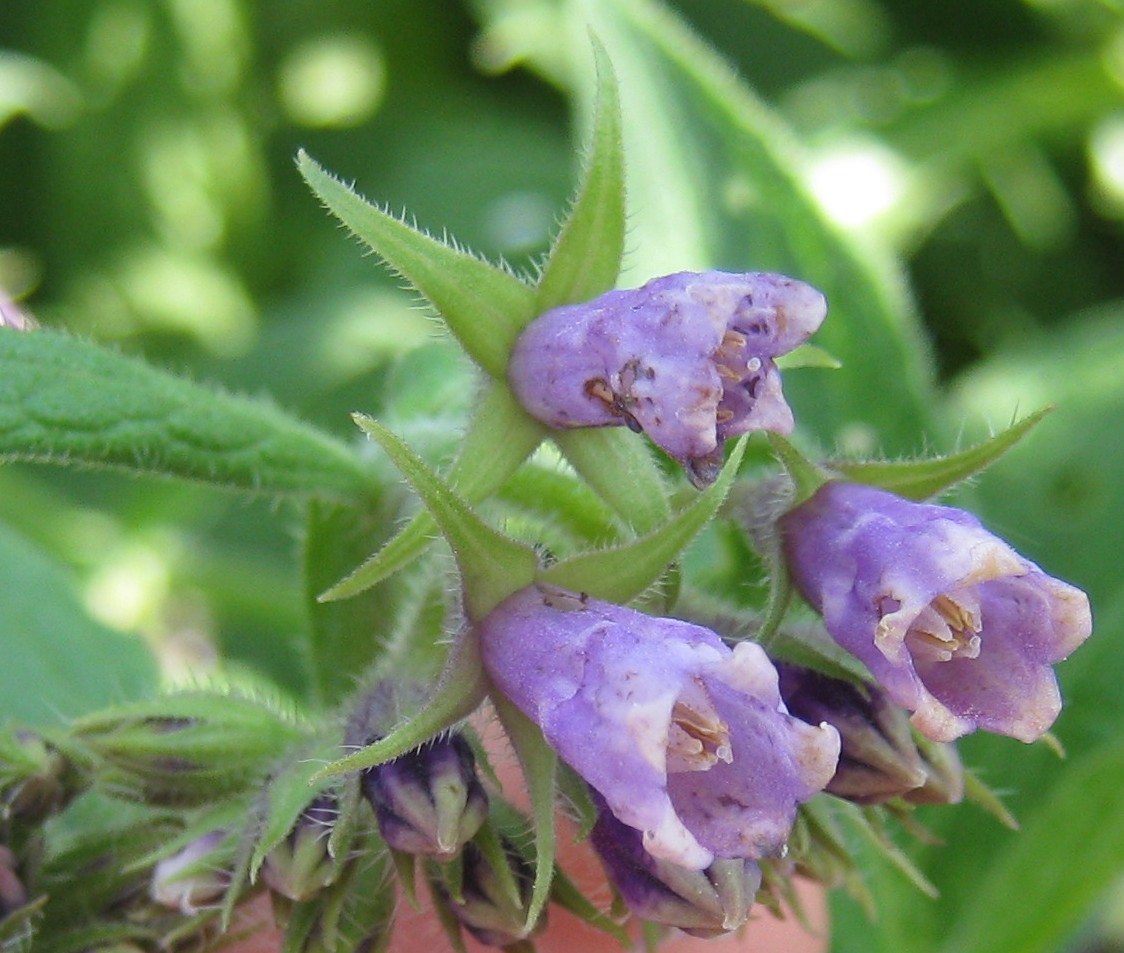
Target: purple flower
(687, 358)
(955, 625)
(685, 739)
(705, 903)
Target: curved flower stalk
(956, 626)
(688, 358)
(685, 739)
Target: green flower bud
(188, 749)
(300, 866)
(480, 899)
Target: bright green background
(148, 201)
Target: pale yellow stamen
(697, 738)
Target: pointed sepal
(484, 306)
(586, 255)
(922, 479)
(492, 566)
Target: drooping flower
(705, 903)
(685, 739)
(687, 358)
(955, 625)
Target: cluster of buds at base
(688, 358)
(480, 898)
(704, 903)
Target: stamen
(697, 738)
(959, 615)
(724, 370)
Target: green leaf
(344, 637)
(623, 572)
(1052, 898)
(539, 763)
(922, 479)
(620, 468)
(58, 661)
(500, 437)
(586, 256)
(484, 306)
(66, 401)
(492, 566)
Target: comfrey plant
(709, 750)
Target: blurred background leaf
(953, 178)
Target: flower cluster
(704, 741)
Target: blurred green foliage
(968, 160)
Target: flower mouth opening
(948, 628)
(697, 738)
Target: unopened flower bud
(429, 800)
(878, 759)
(186, 749)
(36, 779)
(300, 866)
(944, 776)
(195, 877)
(482, 904)
(703, 903)
(13, 895)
